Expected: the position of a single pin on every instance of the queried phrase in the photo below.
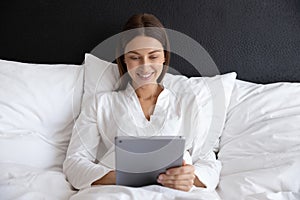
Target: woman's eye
(153, 57)
(134, 58)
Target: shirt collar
(129, 91)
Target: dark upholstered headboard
(259, 39)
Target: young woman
(141, 107)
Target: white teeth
(145, 76)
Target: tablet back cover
(139, 160)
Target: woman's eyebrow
(158, 50)
(151, 52)
(133, 52)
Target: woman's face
(144, 58)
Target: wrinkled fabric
(91, 152)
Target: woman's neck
(148, 91)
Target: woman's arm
(79, 165)
(208, 169)
(205, 169)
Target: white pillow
(99, 76)
(38, 105)
(260, 145)
(214, 92)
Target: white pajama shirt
(90, 154)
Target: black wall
(259, 39)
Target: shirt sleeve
(80, 164)
(207, 167)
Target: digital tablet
(140, 160)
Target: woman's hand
(180, 178)
(108, 179)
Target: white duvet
(19, 182)
(260, 144)
(148, 192)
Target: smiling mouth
(145, 76)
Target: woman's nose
(145, 61)
(144, 65)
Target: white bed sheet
(274, 196)
(115, 192)
(20, 182)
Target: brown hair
(137, 24)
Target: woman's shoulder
(105, 98)
(105, 94)
(180, 94)
(108, 95)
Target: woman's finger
(188, 182)
(176, 177)
(181, 170)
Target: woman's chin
(139, 83)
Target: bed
(254, 45)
